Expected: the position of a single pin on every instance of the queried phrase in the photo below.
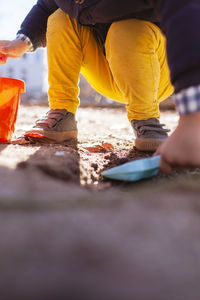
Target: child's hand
(182, 148)
(14, 49)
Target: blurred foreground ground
(68, 234)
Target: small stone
(60, 153)
(94, 166)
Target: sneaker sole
(55, 136)
(149, 145)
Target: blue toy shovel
(135, 170)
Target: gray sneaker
(57, 126)
(149, 134)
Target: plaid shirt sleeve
(24, 38)
(188, 100)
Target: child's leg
(130, 73)
(124, 76)
(135, 51)
(72, 48)
(64, 58)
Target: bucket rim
(19, 83)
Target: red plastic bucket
(10, 90)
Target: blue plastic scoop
(135, 170)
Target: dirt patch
(66, 233)
(74, 161)
(59, 162)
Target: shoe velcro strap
(51, 119)
(152, 128)
(55, 116)
(46, 122)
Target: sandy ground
(73, 162)
(66, 233)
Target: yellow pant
(134, 71)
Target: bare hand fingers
(15, 48)
(4, 46)
(8, 49)
(4, 43)
(165, 167)
(158, 152)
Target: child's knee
(133, 35)
(58, 22)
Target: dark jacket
(97, 14)
(180, 22)
(179, 19)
